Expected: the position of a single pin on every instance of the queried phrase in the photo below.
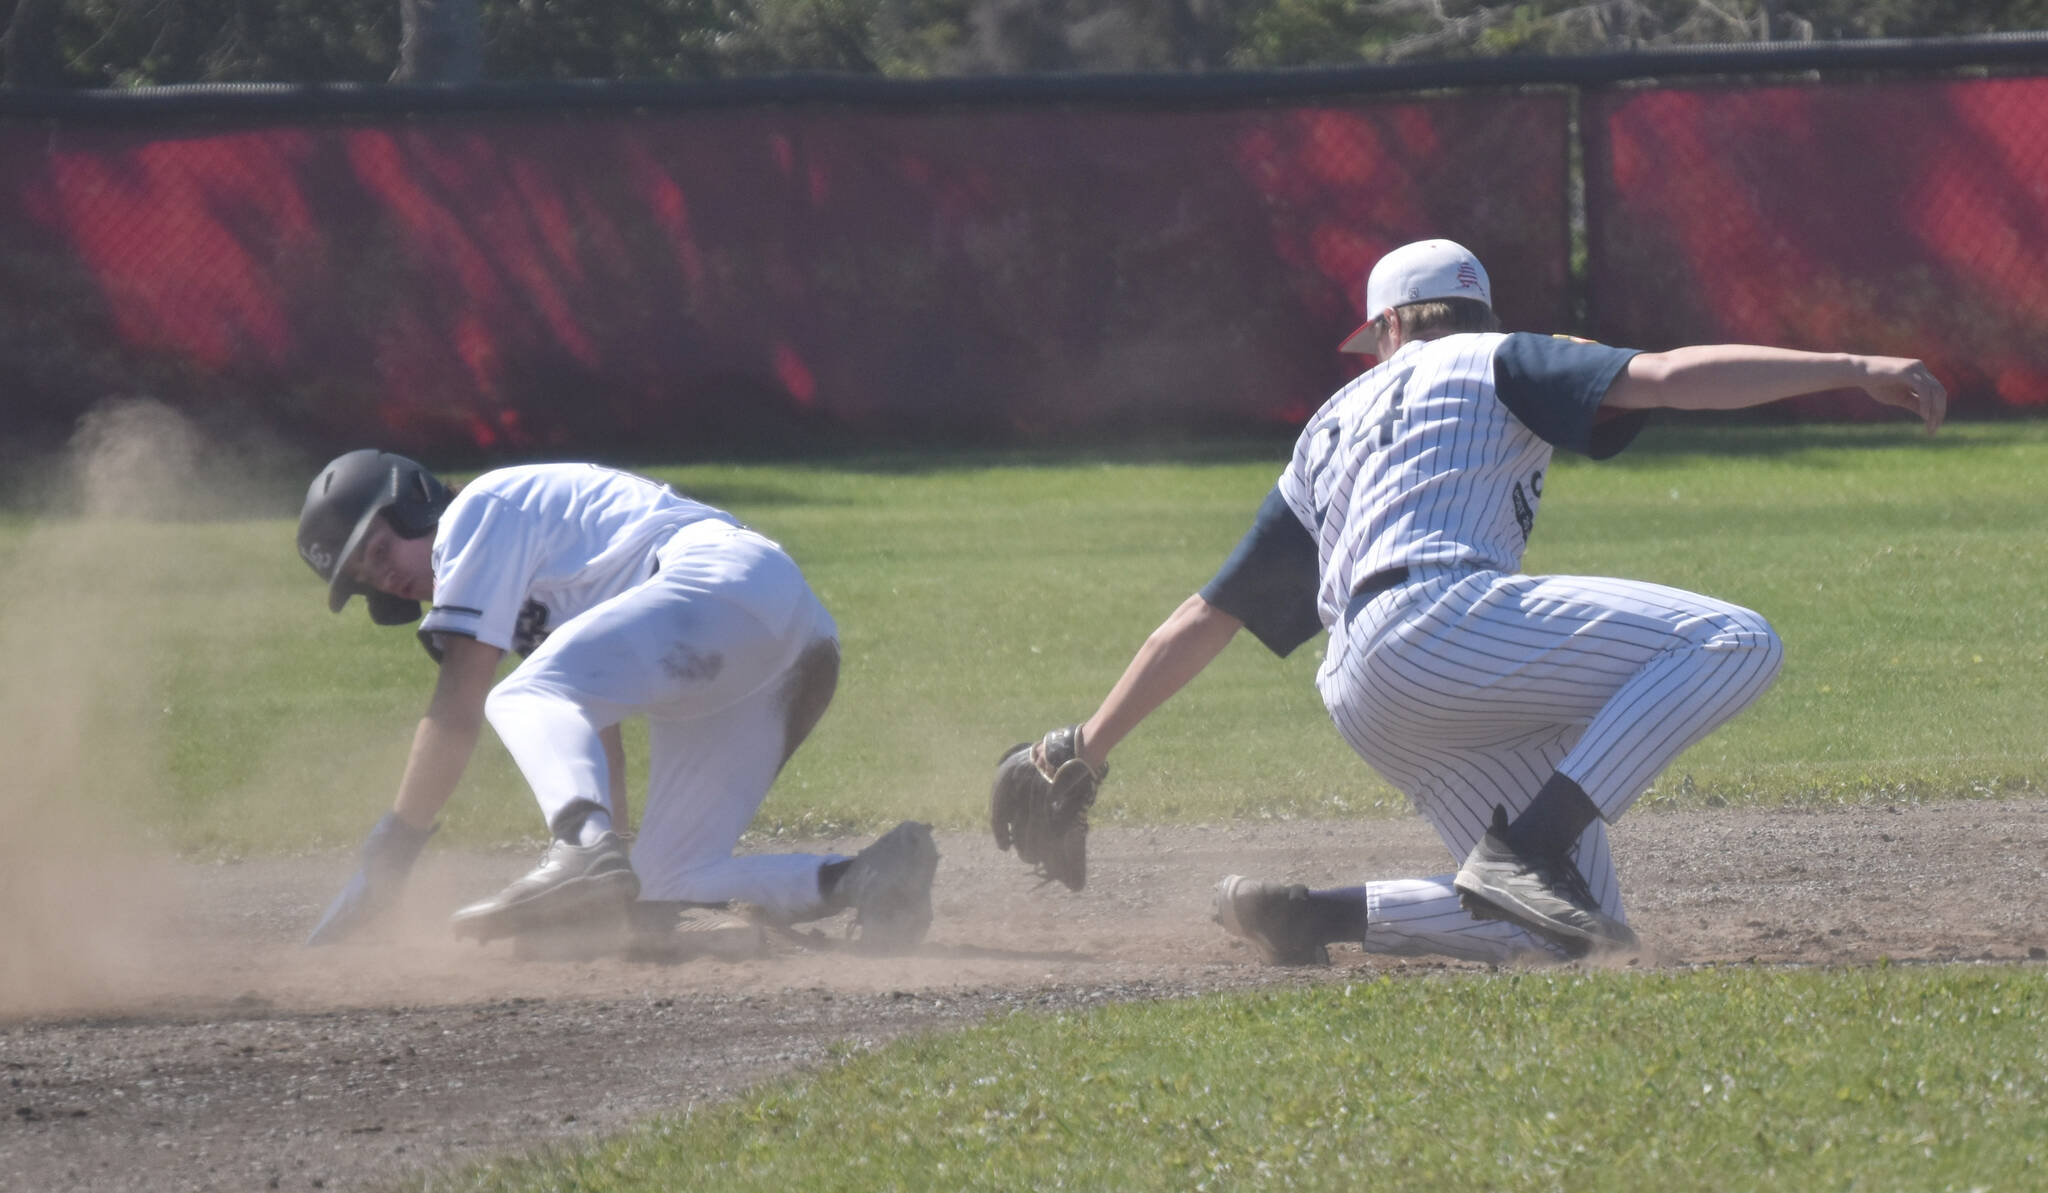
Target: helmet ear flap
(418, 498)
(386, 609)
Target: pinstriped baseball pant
(1469, 689)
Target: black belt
(1378, 583)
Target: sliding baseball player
(625, 599)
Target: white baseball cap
(1420, 272)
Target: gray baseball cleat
(1548, 896)
(889, 887)
(1269, 915)
(571, 882)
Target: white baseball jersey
(1399, 525)
(629, 600)
(522, 550)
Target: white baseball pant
(730, 657)
(1469, 689)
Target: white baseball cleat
(571, 882)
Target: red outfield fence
(680, 271)
(1907, 217)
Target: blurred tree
(136, 42)
(1328, 32)
(132, 43)
(1014, 36)
(1837, 19)
(28, 43)
(625, 39)
(439, 42)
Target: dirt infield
(234, 1059)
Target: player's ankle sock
(595, 825)
(1554, 821)
(829, 875)
(1336, 916)
(581, 823)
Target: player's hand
(387, 859)
(1906, 383)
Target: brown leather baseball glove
(1039, 805)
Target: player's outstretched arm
(448, 734)
(1185, 643)
(441, 748)
(1734, 376)
(1039, 802)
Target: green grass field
(186, 680)
(985, 598)
(1879, 1079)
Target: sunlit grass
(985, 598)
(1604, 1081)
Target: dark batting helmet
(347, 495)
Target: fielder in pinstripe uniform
(1519, 713)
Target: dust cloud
(88, 907)
(128, 587)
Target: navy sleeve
(1269, 582)
(1555, 384)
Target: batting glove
(387, 859)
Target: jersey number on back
(1388, 424)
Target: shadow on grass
(755, 492)
(914, 460)
(1670, 437)
(1673, 436)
